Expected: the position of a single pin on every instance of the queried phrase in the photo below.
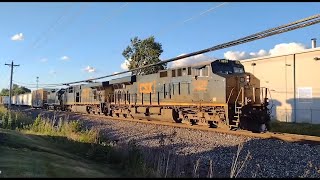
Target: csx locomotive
(218, 93)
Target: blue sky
(95, 34)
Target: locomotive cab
(247, 108)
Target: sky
(64, 42)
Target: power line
(193, 17)
(256, 36)
(44, 33)
(70, 20)
(94, 28)
(39, 85)
(34, 84)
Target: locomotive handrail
(230, 95)
(235, 102)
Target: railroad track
(305, 139)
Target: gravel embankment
(181, 152)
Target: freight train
(218, 93)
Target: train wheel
(193, 122)
(268, 126)
(185, 120)
(179, 120)
(212, 124)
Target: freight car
(39, 98)
(23, 99)
(4, 100)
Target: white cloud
(283, 48)
(260, 53)
(44, 60)
(236, 55)
(17, 37)
(189, 60)
(125, 65)
(89, 69)
(65, 58)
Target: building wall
(308, 87)
(277, 74)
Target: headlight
(248, 78)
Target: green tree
(144, 52)
(16, 90)
(4, 92)
(20, 90)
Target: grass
(296, 128)
(62, 148)
(25, 155)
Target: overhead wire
(70, 20)
(45, 32)
(95, 28)
(256, 36)
(161, 32)
(33, 84)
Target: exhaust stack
(313, 43)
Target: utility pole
(10, 91)
(37, 98)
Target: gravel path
(182, 152)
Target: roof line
(273, 56)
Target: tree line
(16, 90)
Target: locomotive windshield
(224, 66)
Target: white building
(294, 84)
